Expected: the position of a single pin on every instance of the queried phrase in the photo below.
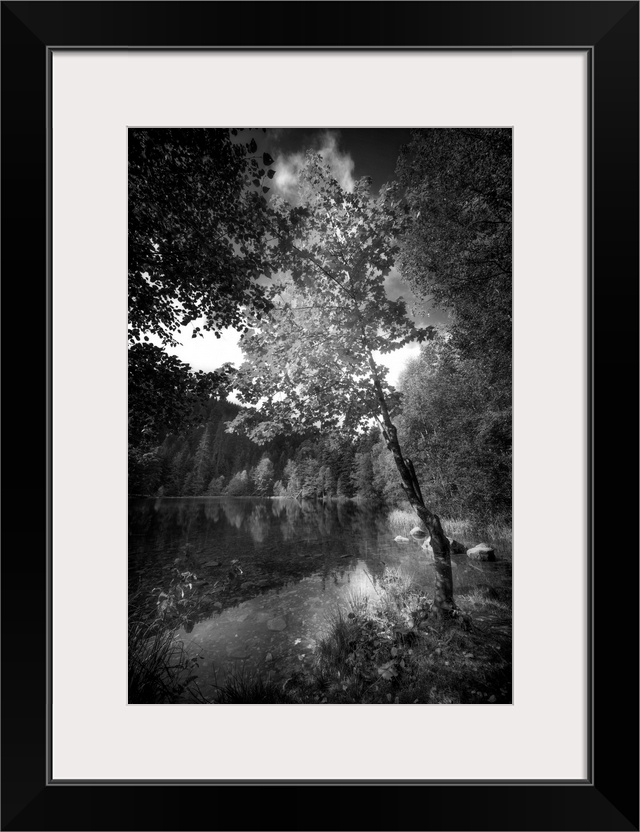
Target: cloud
(207, 352)
(397, 361)
(327, 144)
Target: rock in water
(416, 531)
(456, 548)
(401, 539)
(481, 552)
(276, 624)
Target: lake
(270, 573)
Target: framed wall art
(502, 266)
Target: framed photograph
(514, 720)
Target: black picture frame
(608, 799)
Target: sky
(351, 154)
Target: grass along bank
(160, 672)
(385, 649)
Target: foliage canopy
(197, 248)
(164, 394)
(196, 230)
(310, 361)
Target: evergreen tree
(178, 472)
(363, 477)
(202, 461)
(344, 458)
(327, 482)
(217, 449)
(291, 479)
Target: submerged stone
(401, 539)
(276, 624)
(481, 552)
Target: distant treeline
(454, 425)
(208, 461)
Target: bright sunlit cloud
(326, 144)
(206, 353)
(397, 361)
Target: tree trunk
(443, 603)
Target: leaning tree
(311, 361)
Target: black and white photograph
(319, 415)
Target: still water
(271, 573)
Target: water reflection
(244, 638)
(299, 562)
(258, 523)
